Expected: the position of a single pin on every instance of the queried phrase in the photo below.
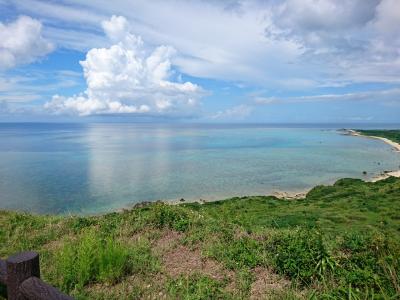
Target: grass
(93, 258)
(341, 241)
(196, 286)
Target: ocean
(96, 168)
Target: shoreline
(290, 195)
(395, 147)
(293, 195)
(283, 195)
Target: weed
(174, 218)
(94, 259)
(237, 253)
(196, 286)
(302, 255)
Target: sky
(288, 61)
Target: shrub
(372, 261)
(142, 259)
(79, 223)
(302, 255)
(78, 261)
(238, 253)
(114, 261)
(174, 217)
(94, 259)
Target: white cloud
(21, 42)
(299, 44)
(389, 96)
(387, 19)
(238, 112)
(356, 41)
(59, 12)
(128, 77)
(23, 87)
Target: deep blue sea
(95, 168)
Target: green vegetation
(341, 241)
(93, 258)
(393, 135)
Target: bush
(238, 253)
(114, 261)
(174, 217)
(302, 255)
(79, 223)
(142, 259)
(78, 261)
(371, 261)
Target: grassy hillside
(393, 135)
(342, 241)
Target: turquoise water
(94, 168)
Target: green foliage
(196, 287)
(141, 258)
(237, 253)
(302, 255)
(288, 221)
(340, 242)
(79, 223)
(393, 135)
(94, 259)
(78, 261)
(244, 280)
(164, 215)
(21, 232)
(113, 261)
(372, 262)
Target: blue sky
(200, 61)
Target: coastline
(289, 195)
(395, 146)
(283, 195)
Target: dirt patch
(266, 283)
(132, 287)
(182, 261)
(168, 240)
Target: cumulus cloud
(129, 77)
(21, 42)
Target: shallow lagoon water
(95, 168)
